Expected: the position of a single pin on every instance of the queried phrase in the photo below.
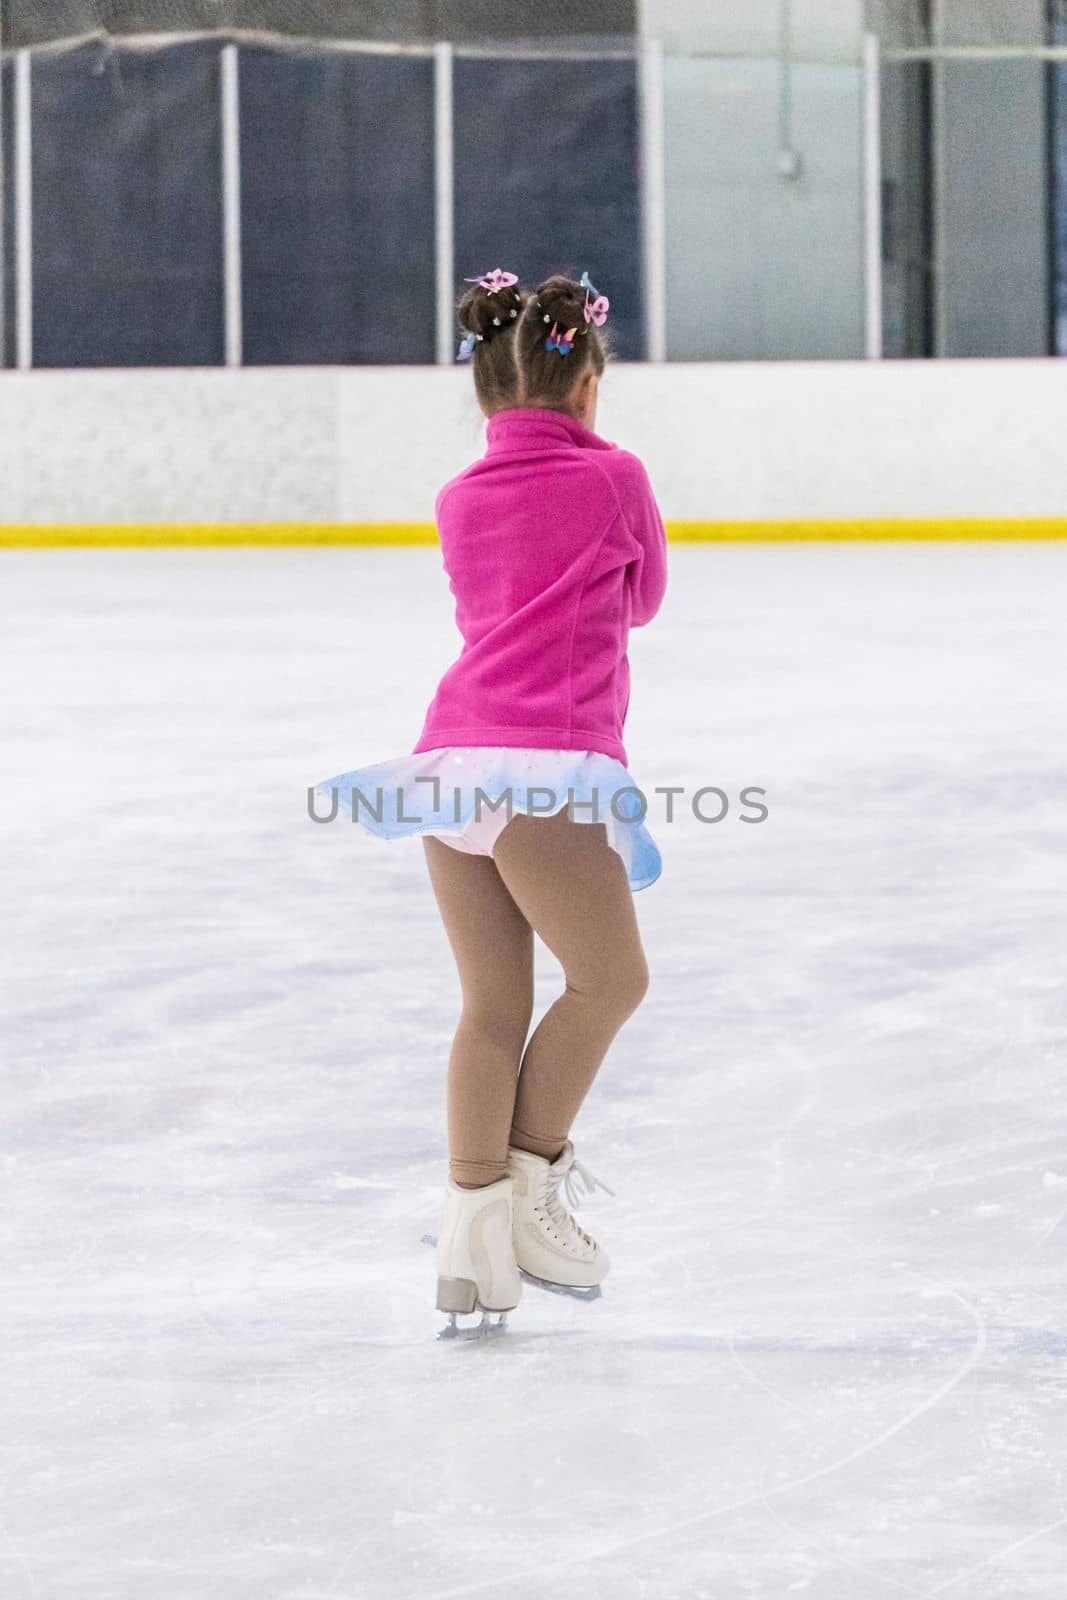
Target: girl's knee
(619, 987)
(502, 1029)
(635, 980)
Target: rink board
(735, 452)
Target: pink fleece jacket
(554, 548)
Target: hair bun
(483, 311)
(561, 300)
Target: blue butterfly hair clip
(558, 340)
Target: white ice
(831, 1357)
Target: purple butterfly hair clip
(497, 279)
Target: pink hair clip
(597, 312)
(497, 279)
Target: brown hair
(512, 364)
(546, 377)
(492, 316)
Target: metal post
(231, 206)
(653, 197)
(790, 165)
(444, 201)
(23, 212)
(872, 195)
(939, 284)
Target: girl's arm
(647, 574)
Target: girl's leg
(493, 946)
(572, 889)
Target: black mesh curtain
(337, 178)
(1058, 103)
(546, 177)
(338, 247)
(127, 254)
(7, 197)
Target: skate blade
(590, 1292)
(485, 1329)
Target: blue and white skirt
(467, 796)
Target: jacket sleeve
(647, 572)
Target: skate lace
(575, 1175)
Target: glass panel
(764, 209)
(764, 204)
(991, 208)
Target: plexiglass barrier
(200, 199)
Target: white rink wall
(723, 442)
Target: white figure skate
(476, 1267)
(550, 1248)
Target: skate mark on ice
(759, 1497)
(760, 1383)
(838, 1560)
(998, 1555)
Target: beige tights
(561, 880)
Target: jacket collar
(533, 427)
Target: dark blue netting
(127, 241)
(7, 204)
(1058, 100)
(337, 206)
(546, 164)
(337, 188)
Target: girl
(554, 549)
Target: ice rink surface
(831, 1357)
